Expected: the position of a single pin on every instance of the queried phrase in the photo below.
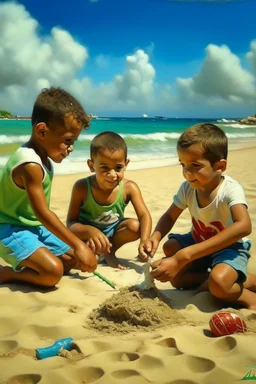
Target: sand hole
(9, 326)
(182, 382)
(169, 343)
(125, 373)
(149, 362)
(24, 379)
(7, 346)
(225, 343)
(199, 364)
(123, 356)
(89, 374)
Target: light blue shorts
(108, 230)
(236, 255)
(17, 243)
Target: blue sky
(125, 58)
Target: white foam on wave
(4, 139)
(79, 165)
(158, 136)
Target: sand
(158, 336)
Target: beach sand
(179, 350)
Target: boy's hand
(152, 246)
(86, 259)
(98, 242)
(167, 268)
(144, 249)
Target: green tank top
(14, 203)
(101, 216)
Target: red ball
(226, 323)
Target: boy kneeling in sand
(32, 238)
(220, 222)
(96, 210)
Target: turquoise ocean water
(151, 142)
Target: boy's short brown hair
(52, 105)
(212, 138)
(108, 140)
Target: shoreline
(76, 163)
(172, 162)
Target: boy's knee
(217, 286)
(53, 273)
(166, 248)
(177, 283)
(134, 226)
(170, 247)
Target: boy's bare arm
(78, 197)
(164, 225)
(133, 193)
(95, 238)
(240, 228)
(30, 175)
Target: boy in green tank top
(96, 210)
(33, 240)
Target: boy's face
(197, 170)
(109, 168)
(58, 142)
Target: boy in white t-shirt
(220, 222)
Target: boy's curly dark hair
(52, 105)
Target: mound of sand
(133, 309)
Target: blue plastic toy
(53, 350)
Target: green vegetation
(5, 114)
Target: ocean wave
(4, 139)
(226, 121)
(69, 166)
(236, 126)
(241, 135)
(158, 136)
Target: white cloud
(134, 89)
(251, 56)
(30, 62)
(138, 80)
(221, 76)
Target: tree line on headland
(250, 120)
(5, 114)
(8, 115)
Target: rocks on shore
(250, 120)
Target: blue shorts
(237, 255)
(17, 243)
(108, 230)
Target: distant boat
(144, 116)
(160, 117)
(92, 117)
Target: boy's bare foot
(113, 262)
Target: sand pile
(133, 309)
